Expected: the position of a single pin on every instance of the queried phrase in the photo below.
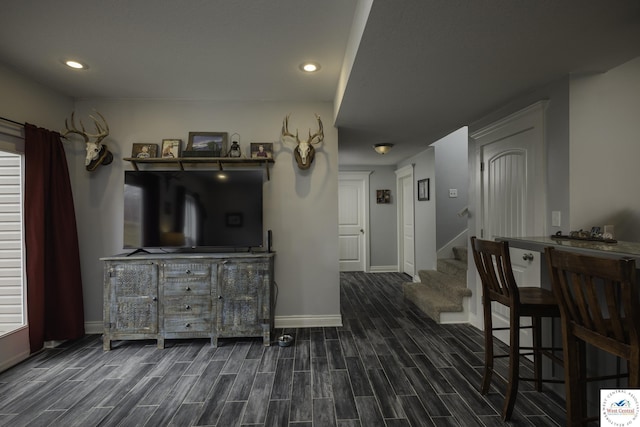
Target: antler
(285, 130)
(319, 134)
(102, 131)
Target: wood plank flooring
(388, 365)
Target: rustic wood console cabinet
(188, 295)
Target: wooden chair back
(494, 267)
(598, 300)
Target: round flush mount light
(383, 148)
(309, 67)
(76, 65)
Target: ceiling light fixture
(76, 65)
(383, 148)
(310, 67)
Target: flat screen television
(193, 209)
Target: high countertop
(595, 248)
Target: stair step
(460, 253)
(446, 284)
(430, 300)
(453, 267)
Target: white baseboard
(383, 269)
(94, 327)
(6, 364)
(308, 321)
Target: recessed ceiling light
(76, 65)
(310, 67)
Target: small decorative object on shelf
(171, 148)
(144, 151)
(206, 144)
(262, 150)
(234, 150)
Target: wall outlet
(453, 192)
(556, 218)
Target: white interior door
(406, 226)
(353, 190)
(512, 193)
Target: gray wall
(451, 172)
(424, 211)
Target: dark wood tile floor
(387, 366)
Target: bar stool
(498, 284)
(598, 306)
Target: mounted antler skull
(304, 151)
(97, 152)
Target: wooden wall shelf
(220, 162)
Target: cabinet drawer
(186, 287)
(186, 279)
(180, 306)
(186, 325)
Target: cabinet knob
(188, 325)
(527, 257)
(155, 298)
(219, 296)
(188, 288)
(187, 307)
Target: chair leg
(514, 366)
(488, 349)
(572, 368)
(537, 353)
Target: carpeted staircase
(443, 294)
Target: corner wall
(301, 207)
(605, 148)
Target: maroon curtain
(54, 284)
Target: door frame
(363, 178)
(403, 173)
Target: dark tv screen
(193, 209)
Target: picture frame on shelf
(144, 151)
(383, 196)
(206, 144)
(261, 150)
(423, 189)
(171, 148)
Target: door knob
(361, 231)
(527, 257)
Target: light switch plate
(556, 218)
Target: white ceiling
(422, 69)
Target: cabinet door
(244, 299)
(134, 298)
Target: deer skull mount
(97, 152)
(304, 151)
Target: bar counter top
(596, 248)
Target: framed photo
(171, 148)
(206, 144)
(423, 189)
(383, 196)
(262, 150)
(144, 151)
